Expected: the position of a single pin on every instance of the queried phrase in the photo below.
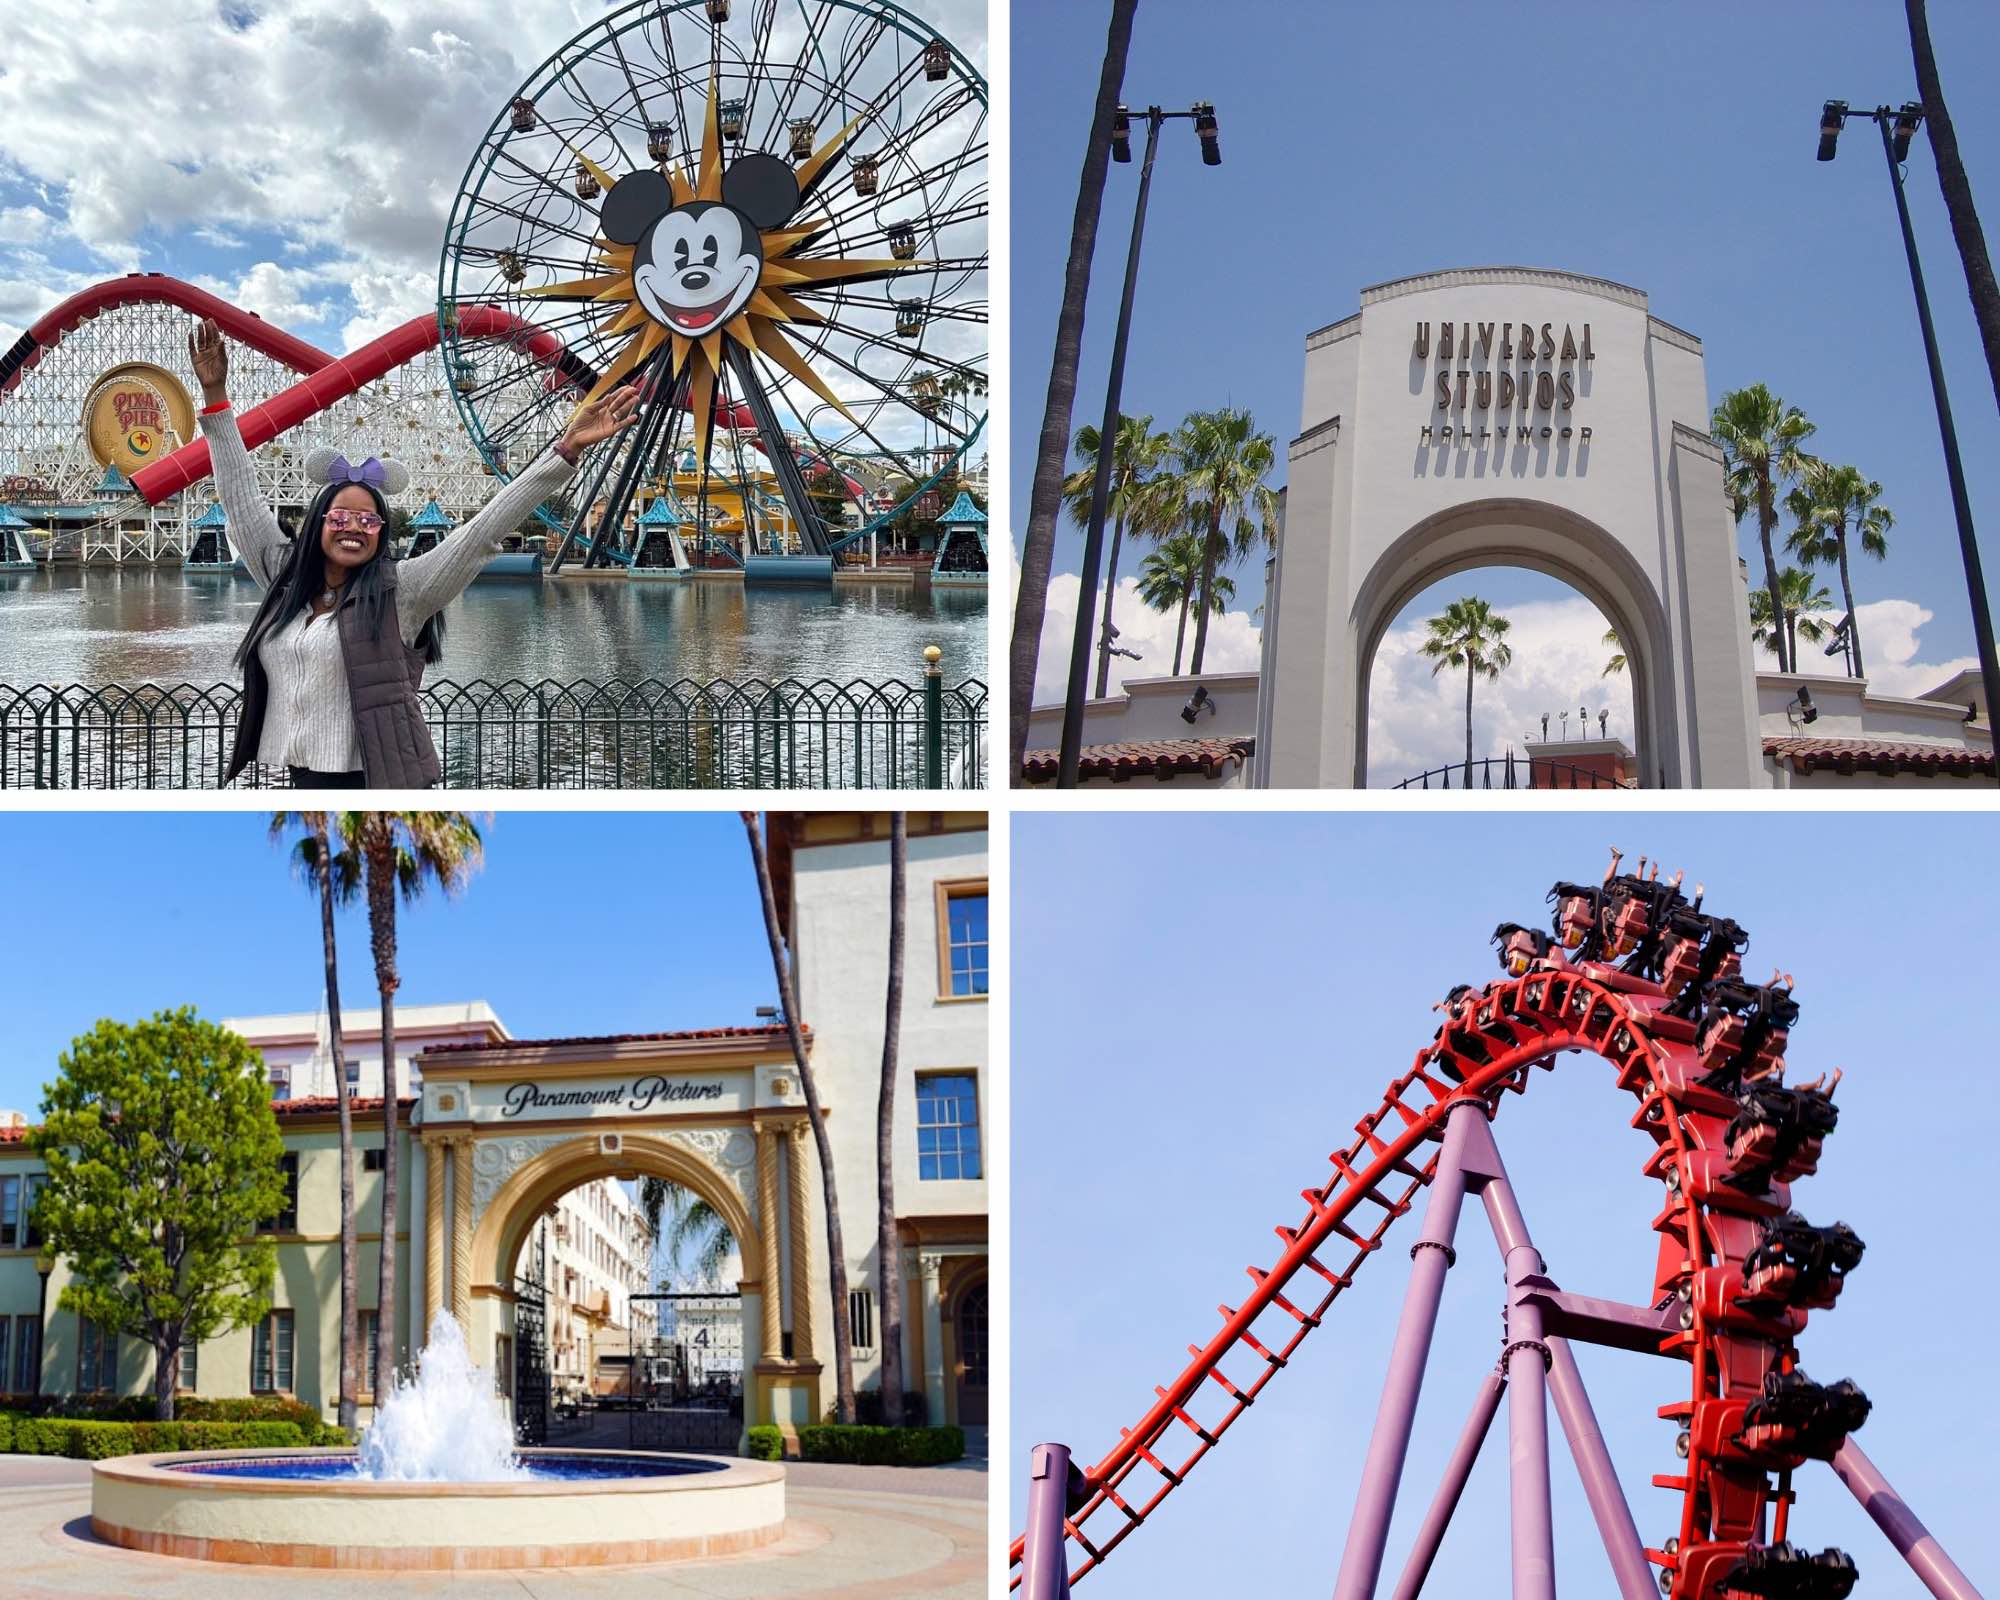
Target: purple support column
(1600, 1479)
(1438, 1518)
(1911, 1538)
(1044, 1568)
(1361, 1561)
(1525, 1363)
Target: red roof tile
(12, 1135)
(1848, 756)
(1146, 758)
(774, 1031)
(306, 1104)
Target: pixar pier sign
(1495, 380)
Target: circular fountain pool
(309, 1508)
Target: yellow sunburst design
(756, 326)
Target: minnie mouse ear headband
(327, 465)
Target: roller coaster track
(1654, 990)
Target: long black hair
(302, 580)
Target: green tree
(1038, 544)
(1800, 598)
(692, 1233)
(1469, 634)
(1171, 576)
(1831, 503)
(334, 878)
(1221, 461)
(1616, 664)
(888, 1242)
(163, 1158)
(1139, 498)
(1762, 442)
(401, 854)
(836, 1251)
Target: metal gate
(531, 1355)
(685, 1387)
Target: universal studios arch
(1508, 416)
(507, 1129)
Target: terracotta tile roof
(774, 1031)
(306, 1104)
(1846, 756)
(1147, 758)
(12, 1135)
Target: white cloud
(280, 295)
(1889, 648)
(23, 224)
(1233, 639)
(1417, 720)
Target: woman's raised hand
(599, 419)
(211, 360)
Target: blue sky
(580, 923)
(1669, 148)
(1250, 984)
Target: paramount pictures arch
(1500, 416)
(506, 1131)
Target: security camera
(1808, 712)
(1195, 702)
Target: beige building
(503, 1138)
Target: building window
(947, 1125)
(365, 1380)
(6, 1351)
(187, 1378)
(31, 1188)
(271, 1354)
(281, 1082)
(962, 940)
(861, 1317)
(503, 1364)
(353, 1074)
(371, 1160)
(287, 1219)
(96, 1358)
(10, 1213)
(27, 1355)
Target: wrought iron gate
(686, 1387)
(531, 1355)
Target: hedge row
(881, 1447)
(98, 1441)
(766, 1443)
(187, 1408)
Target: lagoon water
(107, 625)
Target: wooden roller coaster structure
(1638, 974)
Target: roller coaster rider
(337, 705)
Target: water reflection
(103, 625)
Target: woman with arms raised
(335, 655)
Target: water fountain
(436, 1484)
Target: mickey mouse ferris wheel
(768, 214)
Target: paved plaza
(852, 1531)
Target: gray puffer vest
(383, 676)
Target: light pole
(45, 1263)
(1897, 128)
(1202, 114)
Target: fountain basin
(611, 1507)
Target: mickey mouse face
(696, 265)
(704, 264)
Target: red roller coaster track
(328, 379)
(1701, 1053)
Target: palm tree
(1469, 634)
(1761, 438)
(836, 1250)
(1616, 664)
(336, 878)
(1957, 190)
(888, 1246)
(694, 1235)
(1038, 544)
(1172, 575)
(1830, 502)
(1800, 599)
(1221, 462)
(401, 854)
(1138, 499)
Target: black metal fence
(1524, 772)
(547, 735)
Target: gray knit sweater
(308, 721)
